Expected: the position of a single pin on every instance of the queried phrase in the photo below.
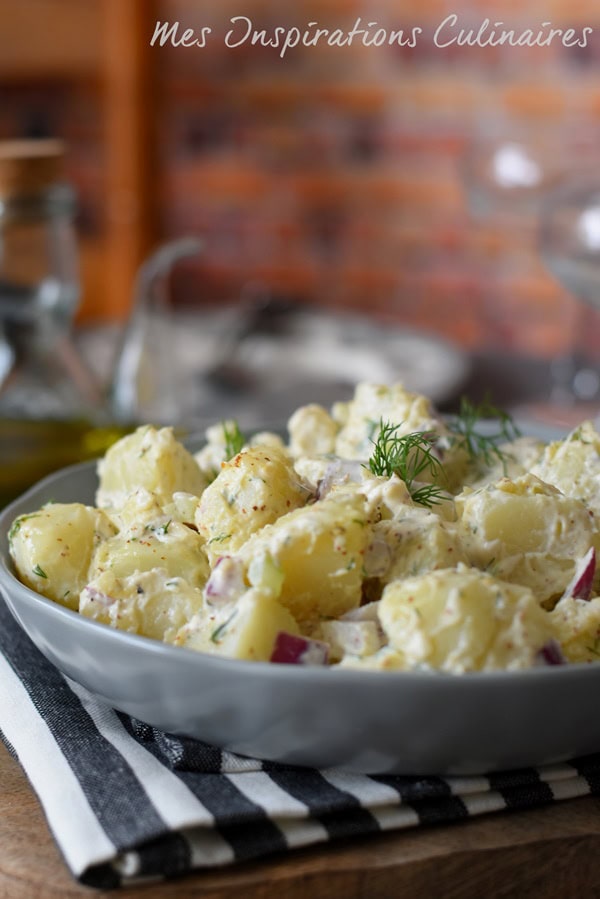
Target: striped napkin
(126, 802)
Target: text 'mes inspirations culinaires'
(450, 31)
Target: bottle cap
(28, 167)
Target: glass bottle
(51, 409)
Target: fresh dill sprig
(407, 456)
(426, 494)
(234, 439)
(479, 445)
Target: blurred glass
(259, 356)
(146, 382)
(52, 409)
(508, 177)
(41, 373)
(505, 177)
(569, 238)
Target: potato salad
(374, 535)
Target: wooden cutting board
(551, 853)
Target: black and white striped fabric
(126, 802)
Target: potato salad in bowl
(378, 535)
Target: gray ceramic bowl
(362, 721)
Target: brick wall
(348, 176)
(339, 174)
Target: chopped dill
(407, 456)
(234, 439)
(40, 572)
(482, 446)
(219, 631)
(426, 494)
(16, 525)
(219, 538)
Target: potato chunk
(358, 419)
(159, 543)
(143, 507)
(319, 551)
(150, 603)
(464, 620)
(577, 623)
(312, 431)
(252, 490)
(527, 531)
(52, 549)
(413, 542)
(359, 422)
(246, 629)
(151, 459)
(573, 466)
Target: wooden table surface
(549, 852)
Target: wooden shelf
(50, 39)
(51, 49)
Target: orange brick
(267, 94)
(417, 11)
(352, 96)
(573, 13)
(425, 93)
(535, 99)
(221, 177)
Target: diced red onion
(377, 558)
(581, 584)
(341, 471)
(353, 637)
(290, 649)
(93, 595)
(551, 654)
(226, 581)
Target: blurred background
(355, 179)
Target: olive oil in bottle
(30, 449)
